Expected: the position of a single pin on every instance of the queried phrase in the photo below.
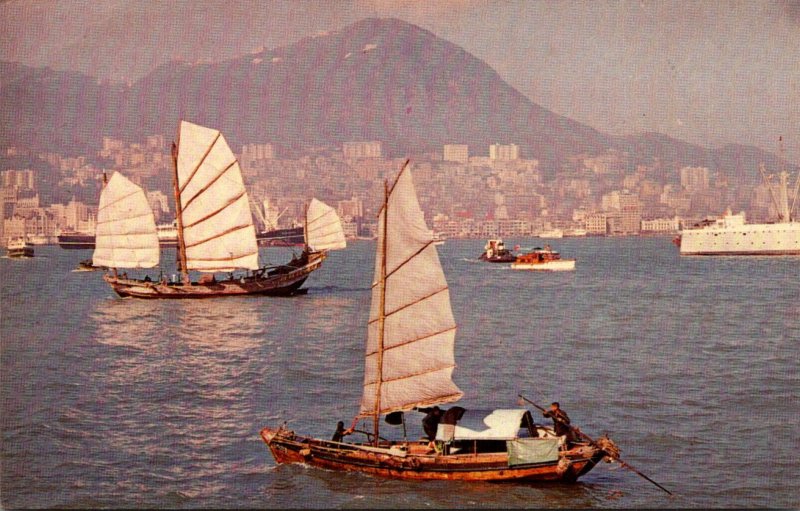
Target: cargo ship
(731, 235)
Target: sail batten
(409, 356)
(213, 213)
(389, 313)
(200, 242)
(125, 235)
(422, 338)
(188, 179)
(216, 221)
(200, 192)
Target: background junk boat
(409, 362)
(215, 229)
(545, 259)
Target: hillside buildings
(464, 191)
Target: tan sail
(126, 229)
(411, 331)
(323, 227)
(217, 226)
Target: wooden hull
(284, 281)
(416, 463)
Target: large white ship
(731, 235)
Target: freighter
(731, 235)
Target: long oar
(612, 455)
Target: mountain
(377, 79)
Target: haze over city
(709, 73)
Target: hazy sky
(709, 72)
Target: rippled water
(689, 364)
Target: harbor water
(689, 364)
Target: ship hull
(76, 241)
(289, 237)
(777, 239)
(415, 462)
(87, 242)
(284, 281)
(26, 251)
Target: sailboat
(408, 366)
(215, 230)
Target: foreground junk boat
(495, 251)
(215, 229)
(409, 362)
(545, 259)
(19, 247)
(731, 235)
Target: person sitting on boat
(560, 419)
(340, 432)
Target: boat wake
(328, 290)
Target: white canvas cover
(323, 227)
(523, 451)
(411, 330)
(501, 424)
(125, 236)
(218, 229)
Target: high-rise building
(353, 150)
(504, 152)
(694, 178)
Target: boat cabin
(511, 431)
(539, 255)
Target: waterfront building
(661, 225)
(596, 223)
(353, 208)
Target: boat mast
(179, 212)
(305, 230)
(791, 209)
(779, 210)
(381, 314)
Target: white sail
(411, 332)
(125, 236)
(323, 227)
(218, 230)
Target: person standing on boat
(340, 432)
(560, 419)
(430, 423)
